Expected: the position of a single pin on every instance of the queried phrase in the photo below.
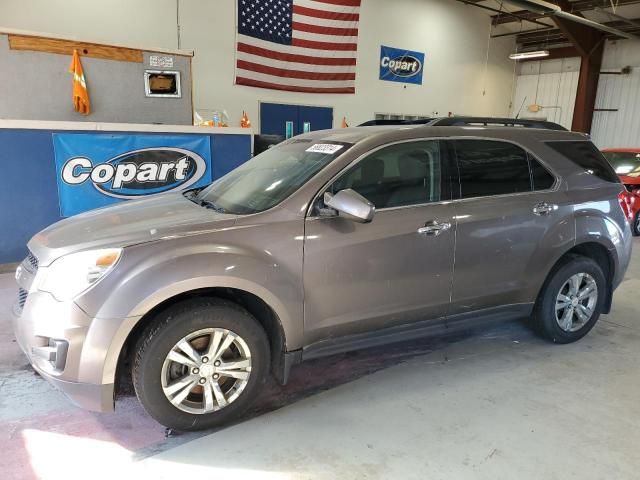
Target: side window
(542, 179)
(489, 167)
(587, 156)
(398, 175)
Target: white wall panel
(554, 91)
(621, 92)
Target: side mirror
(351, 205)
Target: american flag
(298, 45)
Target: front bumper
(56, 338)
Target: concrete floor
(497, 404)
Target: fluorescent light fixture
(527, 55)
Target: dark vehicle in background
(626, 163)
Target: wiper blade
(210, 205)
(193, 196)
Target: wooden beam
(66, 47)
(589, 42)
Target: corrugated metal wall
(551, 84)
(620, 128)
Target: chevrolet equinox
(330, 241)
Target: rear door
(396, 269)
(509, 212)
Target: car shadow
(315, 376)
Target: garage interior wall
(551, 84)
(619, 128)
(455, 37)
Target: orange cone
(244, 121)
(344, 123)
(80, 97)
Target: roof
(399, 132)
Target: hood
(127, 223)
(629, 180)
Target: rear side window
(542, 179)
(587, 156)
(489, 167)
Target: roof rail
(488, 121)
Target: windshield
(267, 179)
(624, 163)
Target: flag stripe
(311, 12)
(299, 42)
(289, 73)
(276, 47)
(291, 57)
(304, 27)
(306, 67)
(326, 22)
(290, 88)
(327, 7)
(296, 82)
(318, 37)
(350, 3)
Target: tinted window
(587, 156)
(398, 175)
(542, 179)
(267, 179)
(624, 163)
(491, 168)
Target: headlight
(72, 274)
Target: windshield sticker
(327, 148)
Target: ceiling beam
(544, 37)
(573, 7)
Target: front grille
(22, 297)
(30, 263)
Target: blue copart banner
(398, 65)
(96, 170)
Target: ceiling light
(527, 55)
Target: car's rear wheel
(571, 300)
(200, 363)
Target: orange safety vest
(80, 94)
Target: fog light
(55, 353)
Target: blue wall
(28, 187)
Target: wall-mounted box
(162, 83)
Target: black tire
(177, 322)
(635, 226)
(544, 317)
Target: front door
(396, 269)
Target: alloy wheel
(576, 302)
(206, 371)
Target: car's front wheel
(571, 300)
(200, 363)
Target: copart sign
(96, 170)
(398, 65)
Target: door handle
(434, 228)
(544, 208)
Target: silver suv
(331, 241)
